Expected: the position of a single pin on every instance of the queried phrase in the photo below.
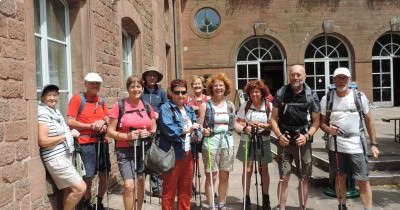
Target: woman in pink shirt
(132, 123)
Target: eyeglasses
(179, 92)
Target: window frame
(44, 49)
(128, 59)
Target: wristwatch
(375, 144)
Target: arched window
(260, 58)
(52, 46)
(385, 70)
(323, 55)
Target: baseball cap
(342, 71)
(49, 87)
(152, 69)
(93, 77)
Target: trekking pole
(143, 175)
(135, 169)
(254, 146)
(199, 181)
(245, 171)
(339, 182)
(194, 152)
(301, 171)
(287, 135)
(210, 174)
(101, 141)
(106, 166)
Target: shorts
(62, 171)
(221, 159)
(89, 157)
(127, 159)
(263, 155)
(358, 163)
(290, 153)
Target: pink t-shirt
(134, 117)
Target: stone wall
(96, 46)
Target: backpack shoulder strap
(102, 101)
(147, 107)
(230, 107)
(267, 106)
(121, 111)
(309, 96)
(247, 107)
(82, 103)
(329, 105)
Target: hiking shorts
(220, 159)
(62, 171)
(263, 156)
(358, 163)
(89, 158)
(129, 164)
(289, 154)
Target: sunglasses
(176, 92)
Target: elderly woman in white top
(56, 146)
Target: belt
(90, 135)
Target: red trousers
(178, 180)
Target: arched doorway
(386, 70)
(260, 58)
(323, 55)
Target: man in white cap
(88, 113)
(342, 112)
(155, 95)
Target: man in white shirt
(342, 120)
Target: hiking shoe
(100, 206)
(222, 206)
(248, 203)
(84, 205)
(156, 193)
(342, 207)
(266, 204)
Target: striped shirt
(55, 121)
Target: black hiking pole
(338, 178)
(297, 134)
(254, 146)
(135, 169)
(101, 144)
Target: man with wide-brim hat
(154, 72)
(155, 95)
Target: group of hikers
(293, 114)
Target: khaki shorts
(62, 171)
(291, 153)
(221, 159)
(263, 156)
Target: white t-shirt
(188, 124)
(253, 115)
(345, 115)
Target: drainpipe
(175, 40)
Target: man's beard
(297, 85)
(342, 89)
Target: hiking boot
(342, 207)
(248, 203)
(100, 206)
(156, 193)
(266, 205)
(222, 206)
(84, 205)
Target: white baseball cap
(342, 71)
(93, 77)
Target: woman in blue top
(177, 122)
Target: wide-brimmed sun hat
(152, 69)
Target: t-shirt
(345, 115)
(188, 124)
(134, 117)
(221, 125)
(92, 112)
(294, 108)
(253, 115)
(56, 124)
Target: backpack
(121, 110)
(267, 100)
(357, 100)
(309, 96)
(83, 102)
(210, 114)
